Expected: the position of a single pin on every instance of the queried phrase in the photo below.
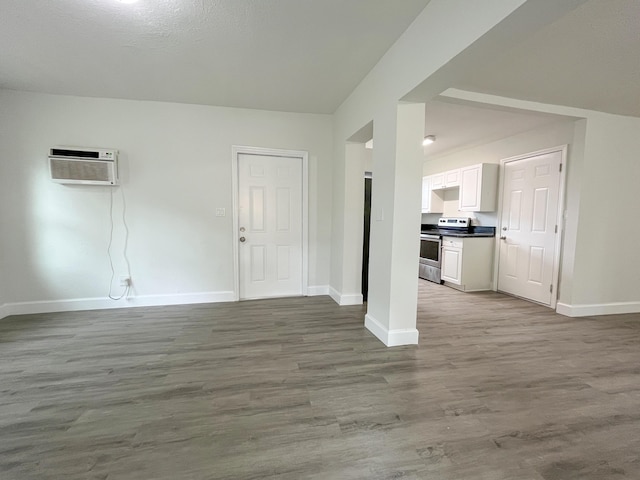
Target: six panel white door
(528, 225)
(270, 223)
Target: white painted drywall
(400, 286)
(607, 264)
(175, 164)
(356, 161)
(4, 277)
(5, 205)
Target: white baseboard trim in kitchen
(391, 338)
(75, 304)
(351, 299)
(597, 309)
(316, 290)
(345, 299)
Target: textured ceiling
(288, 55)
(590, 58)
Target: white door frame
(561, 218)
(271, 152)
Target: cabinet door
(431, 201)
(437, 181)
(452, 178)
(426, 194)
(452, 265)
(470, 185)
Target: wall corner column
(395, 224)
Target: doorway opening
(366, 235)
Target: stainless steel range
(430, 250)
(431, 246)
(453, 224)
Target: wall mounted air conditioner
(79, 165)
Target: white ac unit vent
(79, 165)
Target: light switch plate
(220, 212)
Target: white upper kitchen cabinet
(436, 181)
(478, 188)
(452, 178)
(448, 179)
(431, 201)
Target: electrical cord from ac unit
(126, 244)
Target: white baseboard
(345, 299)
(333, 293)
(351, 299)
(316, 290)
(76, 304)
(597, 309)
(391, 338)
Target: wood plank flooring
(297, 389)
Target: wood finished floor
(499, 389)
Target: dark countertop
(460, 235)
(474, 231)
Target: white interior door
(529, 226)
(270, 252)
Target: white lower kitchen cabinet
(467, 262)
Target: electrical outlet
(125, 281)
(220, 212)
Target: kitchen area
(492, 200)
(456, 250)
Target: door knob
(242, 239)
(503, 237)
(504, 228)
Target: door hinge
(556, 228)
(560, 167)
(551, 288)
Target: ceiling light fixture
(428, 140)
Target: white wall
(176, 170)
(5, 204)
(3, 270)
(607, 264)
(358, 158)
